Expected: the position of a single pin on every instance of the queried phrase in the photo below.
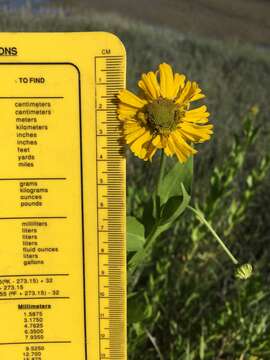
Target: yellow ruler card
(62, 191)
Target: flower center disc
(162, 115)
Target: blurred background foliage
(191, 307)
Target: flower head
(160, 117)
(244, 271)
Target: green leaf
(148, 219)
(173, 208)
(178, 174)
(135, 234)
(137, 308)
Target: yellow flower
(161, 118)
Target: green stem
(156, 194)
(205, 222)
(141, 255)
(161, 171)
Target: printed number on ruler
(111, 228)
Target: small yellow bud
(254, 110)
(244, 272)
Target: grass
(246, 20)
(194, 308)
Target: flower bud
(244, 271)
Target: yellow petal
(126, 111)
(197, 97)
(191, 120)
(191, 92)
(130, 128)
(164, 141)
(182, 149)
(170, 145)
(186, 136)
(199, 110)
(182, 144)
(207, 127)
(198, 115)
(155, 83)
(199, 133)
(134, 135)
(149, 85)
(195, 93)
(167, 150)
(181, 157)
(179, 83)
(184, 93)
(167, 85)
(145, 90)
(137, 144)
(129, 98)
(157, 141)
(142, 152)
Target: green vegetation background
(194, 307)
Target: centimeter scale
(62, 190)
